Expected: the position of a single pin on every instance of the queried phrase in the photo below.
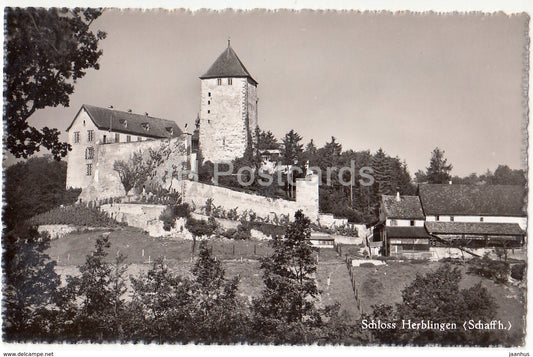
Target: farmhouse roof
(474, 228)
(130, 123)
(407, 232)
(408, 207)
(228, 64)
(473, 200)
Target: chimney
(110, 107)
(398, 196)
(146, 114)
(129, 110)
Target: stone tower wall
(228, 116)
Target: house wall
(76, 162)
(227, 115)
(404, 223)
(106, 182)
(522, 221)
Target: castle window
(117, 137)
(219, 81)
(230, 81)
(90, 135)
(76, 137)
(128, 138)
(89, 153)
(89, 169)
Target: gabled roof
(407, 232)
(473, 200)
(408, 207)
(228, 64)
(474, 228)
(130, 123)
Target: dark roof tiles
(131, 123)
(407, 232)
(228, 64)
(474, 228)
(473, 200)
(408, 207)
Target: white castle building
(227, 122)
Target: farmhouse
(473, 216)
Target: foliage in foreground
(205, 306)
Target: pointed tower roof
(228, 64)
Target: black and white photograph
(264, 177)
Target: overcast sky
(403, 82)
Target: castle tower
(228, 109)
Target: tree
(292, 149)
(288, 274)
(100, 289)
(266, 140)
(218, 314)
(439, 169)
(47, 51)
(35, 186)
(383, 179)
(160, 307)
(30, 286)
(437, 298)
(135, 171)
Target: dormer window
(146, 126)
(170, 130)
(124, 123)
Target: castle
(226, 122)
(225, 129)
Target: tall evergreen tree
(292, 149)
(439, 170)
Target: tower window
(230, 81)
(89, 169)
(89, 153)
(219, 81)
(76, 137)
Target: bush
(169, 215)
(229, 233)
(490, 269)
(243, 232)
(77, 215)
(518, 271)
(367, 265)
